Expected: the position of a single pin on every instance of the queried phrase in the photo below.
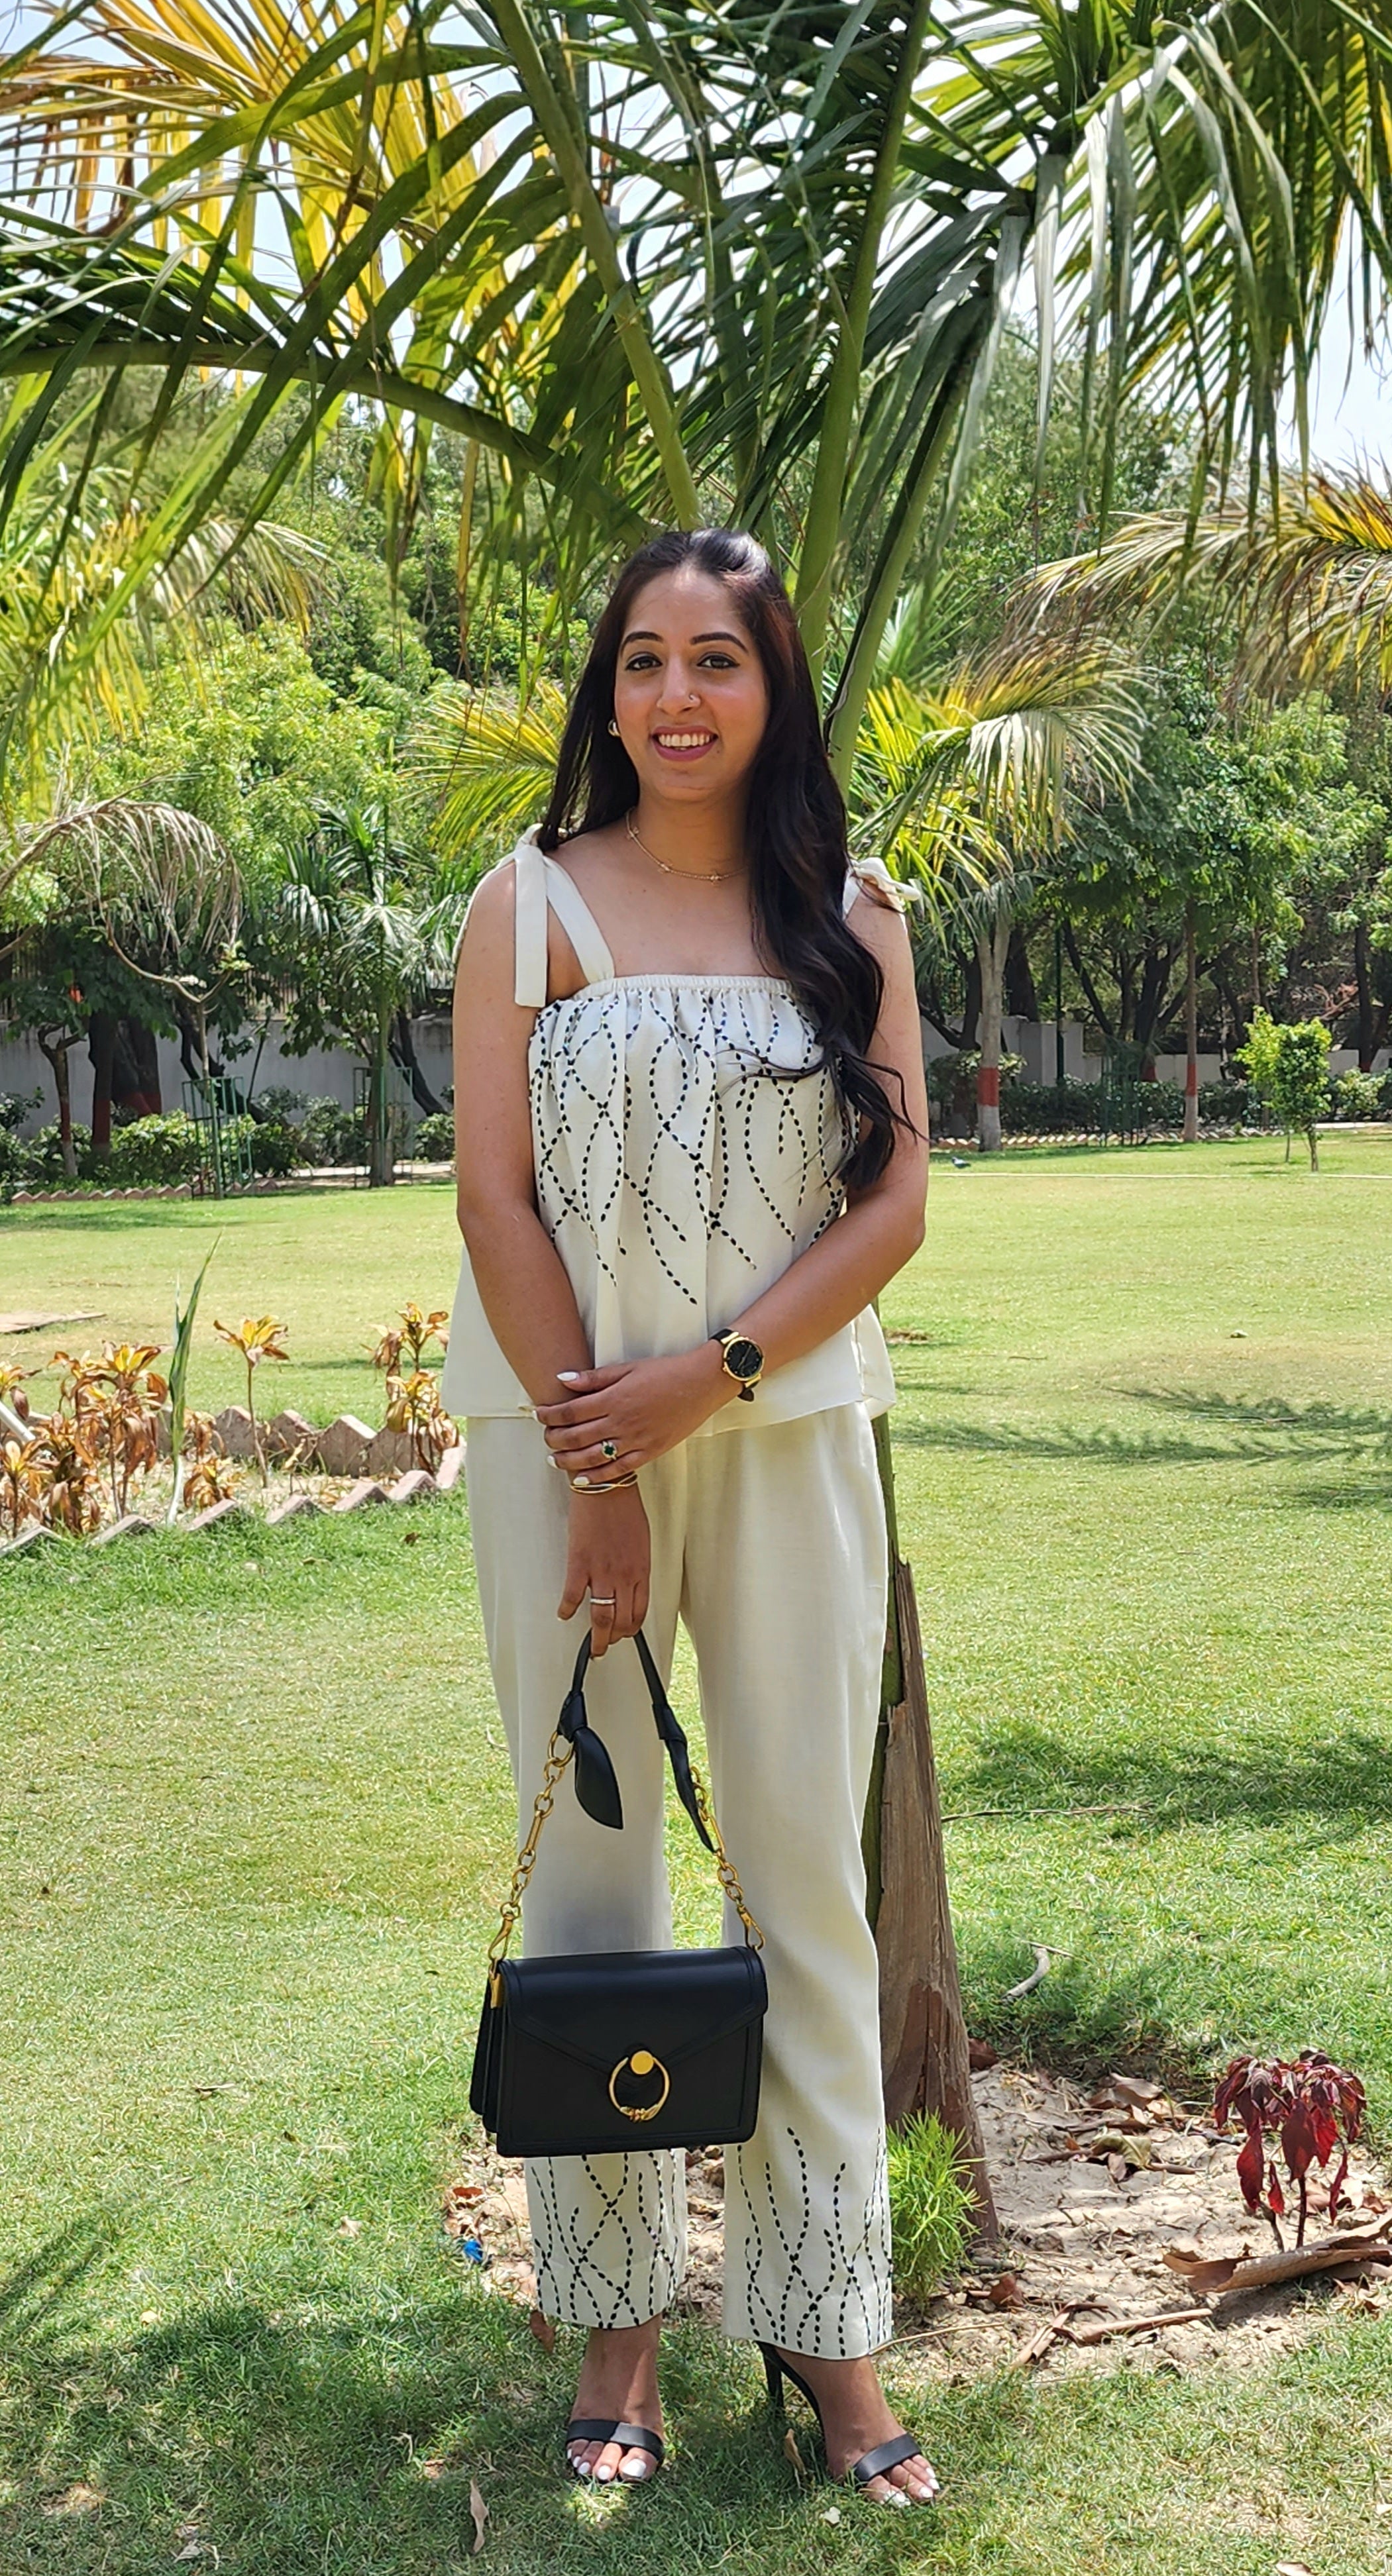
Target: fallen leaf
(149, 2316)
(793, 2455)
(479, 2510)
(1006, 2292)
(980, 2055)
(77, 2498)
(191, 2549)
(833, 2514)
(544, 2328)
(1290, 2567)
(1137, 2089)
(350, 2227)
(1117, 2167)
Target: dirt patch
(1091, 2190)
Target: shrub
(435, 1138)
(1051, 1108)
(15, 1107)
(329, 1133)
(275, 1147)
(1225, 1104)
(152, 1151)
(930, 2205)
(1358, 1095)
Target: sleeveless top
(684, 1155)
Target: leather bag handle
(597, 1788)
(596, 1782)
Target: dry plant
(258, 1338)
(23, 1486)
(208, 1474)
(413, 1404)
(115, 1404)
(410, 1333)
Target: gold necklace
(703, 876)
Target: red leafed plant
(1311, 2106)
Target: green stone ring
(608, 1448)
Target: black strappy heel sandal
(871, 2464)
(602, 2428)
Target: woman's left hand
(612, 1420)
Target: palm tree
(979, 778)
(369, 930)
(783, 256)
(1305, 575)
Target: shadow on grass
(1258, 1431)
(343, 2435)
(1344, 1782)
(1087, 2017)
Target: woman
(691, 1151)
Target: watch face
(743, 1358)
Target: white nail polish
(569, 1377)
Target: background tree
(362, 927)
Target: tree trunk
(381, 1164)
(991, 949)
(1256, 971)
(1021, 993)
(1191, 1032)
(923, 2034)
(101, 1046)
(1367, 1042)
(54, 1045)
(971, 999)
(404, 1054)
(145, 1048)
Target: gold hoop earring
(613, 728)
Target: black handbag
(606, 2050)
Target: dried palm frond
(1308, 578)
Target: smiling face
(690, 697)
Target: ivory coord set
(685, 1153)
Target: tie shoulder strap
(529, 875)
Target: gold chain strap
(556, 1763)
(725, 1869)
(543, 1803)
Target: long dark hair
(795, 817)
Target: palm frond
(1306, 577)
(487, 764)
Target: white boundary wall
(326, 1073)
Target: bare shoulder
(587, 851)
(878, 921)
(485, 942)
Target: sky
(1351, 399)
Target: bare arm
(647, 1406)
(521, 1279)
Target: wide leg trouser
(769, 1543)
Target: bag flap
(602, 2005)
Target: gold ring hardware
(642, 2062)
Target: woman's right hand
(609, 1561)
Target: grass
(254, 1813)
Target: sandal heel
(773, 2373)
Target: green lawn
(254, 1807)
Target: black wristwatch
(743, 1361)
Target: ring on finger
(598, 1601)
(609, 1449)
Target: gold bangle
(615, 1484)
